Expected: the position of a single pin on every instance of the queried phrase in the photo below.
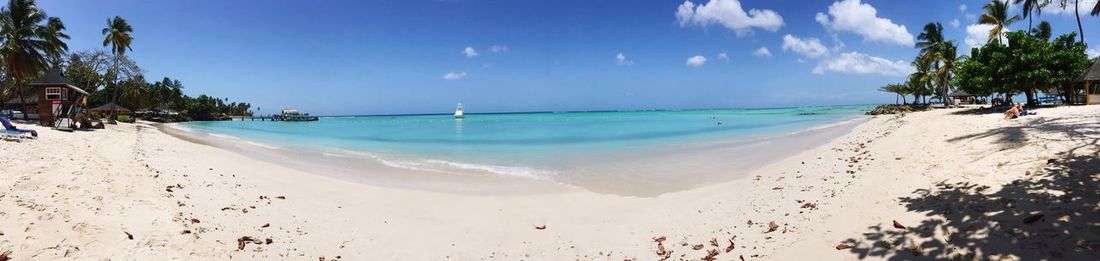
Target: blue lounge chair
(9, 127)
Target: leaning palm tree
(117, 35)
(1031, 9)
(1076, 13)
(996, 14)
(27, 42)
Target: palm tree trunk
(23, 92)
(114, 91)
(1077, 12)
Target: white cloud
(762, 52)
(621, 59)
(1055, 8)
(809, 47)
(728, 13)
(977, 35)
(859, 63)
(469, 52)
(1092, 53)
(962, 8)
(723, 56)
(498, 48)
(954, 23)
(862, 19)
(454, 75)
(696, 61)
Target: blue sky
(423, 56)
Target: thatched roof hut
(109, 107)
(1086, 88)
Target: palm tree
(931, 46)
(1076, 13)
(28, 42)
(920, 80)
(56, 36)
(948, 56)
(1043, 31)
(1031, 9)
(899, 89)
(117, 35)
(996, 14)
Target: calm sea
(537, 145)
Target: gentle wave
(181, 128)
(435, 165)
(524, 172)
(263, 145)
(225, 136)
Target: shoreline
(178, 199)
(614, 172)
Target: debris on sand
(661, 252)
(1033, 218)
(128, 235)
(810, 206)
(194, 221)
(540, 227)
(771, 227)
(899, 225)
(697, 247)
(5, 256)
(241, 242)
(714, 242)
(266, 225)
(281, 197)
(842, 247)
(730, 248)
(659, 239)
(711, 254)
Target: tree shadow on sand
(1051, 214)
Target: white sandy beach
(961, 186)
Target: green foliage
(1027, 64)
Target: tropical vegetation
(32, 42)
(1025, 62)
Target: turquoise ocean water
(520, 143)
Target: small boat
(291, 114)
(458, 111)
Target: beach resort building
(1086, 89)
(56, 95)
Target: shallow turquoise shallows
(529, 140)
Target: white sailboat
(458, 111)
